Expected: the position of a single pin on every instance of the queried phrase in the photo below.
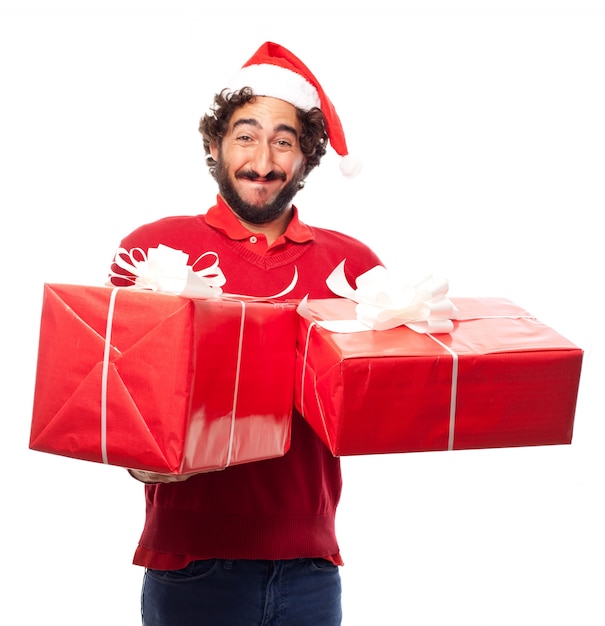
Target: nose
(262, 162)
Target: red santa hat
(275, 72)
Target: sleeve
(358, 257)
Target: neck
(271, 230)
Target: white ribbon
(236, 386)
(453, 392)
(166, 269)
(384, 303)
(453, 387)
(105, 372)
(284, 292)
(105, 376)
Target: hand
(153, 478)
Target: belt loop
(228, 564)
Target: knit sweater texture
(281, 508)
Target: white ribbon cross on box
(164, 269)
(384, 302)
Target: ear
(214, 150)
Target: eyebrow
(254, 122)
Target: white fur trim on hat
(350, 166)
(277, 82)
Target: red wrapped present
(501, 378)
(158, 382)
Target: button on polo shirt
(224, 220)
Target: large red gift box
(500, 379)
(162, 383)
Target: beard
(252, 213)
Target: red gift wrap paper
(181, 386)
(372, 392)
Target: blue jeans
(297, 592)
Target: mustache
(252, 175)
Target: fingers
(153, 478)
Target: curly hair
(213, 127)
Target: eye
(244, 138)
(283, 143)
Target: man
(255, 543)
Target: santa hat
(275, 72)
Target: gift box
(500, 378)
(163, 383)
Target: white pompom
(350, 166)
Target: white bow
(383, 302)
(166, 269)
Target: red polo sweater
(280, 508)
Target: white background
(482, 131)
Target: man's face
(259, 161)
